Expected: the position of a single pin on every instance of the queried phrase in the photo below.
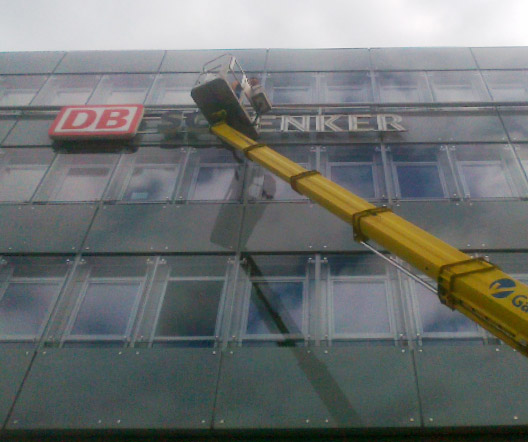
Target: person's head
(254, 81)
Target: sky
(43, 25)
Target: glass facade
(184, 252)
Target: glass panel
(291, 88)
(193, 61)
(21, 171)
(419, 181)
(357, 178)
(422, 58)
(275, 308)
(403, 87)
(122, 89)
(24, 306)
(29, 62)
(437, 318)
(77, 177)
(19, 90)
(516, 122)
(502, 58)
(172, 89)
(350, 87)
(152, 183)
(360, 307)
(67, 90)
(30, 131)
(189, 308)
(507, 85)
(110, 61)
(457, 86)
(106, 308)
(317, 60)
(484, 180)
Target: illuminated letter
(79, 119)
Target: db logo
(86, 122)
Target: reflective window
(403, 87)
(437, 320)
(276, 298)
(104, 299)
(19, 90)
(291, 88)
(507, 85)
(359, 298)
(77, 177)
(421, 172)
(21, 170)
(349, 87)
(213, 174)
(62, 90)
(150, 174)
(186, 300)
(457, 86)
(266, 186)
(122, 89)
(28, 290)
(172, 89)
(358, 169)
(488, 171)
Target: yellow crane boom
(473, 286)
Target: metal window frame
(396, 180)
(375, 176)
(68, 337)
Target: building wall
(166, 283)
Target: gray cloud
(164, 24)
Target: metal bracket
(446, 281)
(359, 236)
(305, 174)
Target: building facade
(164, 286)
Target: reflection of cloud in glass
(215, 183)
(436, 317)
(105, 309)
(275, 307)
(486, 181)
(151, 183)
(23, 307)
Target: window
(265, 186)
(67, 90)
(358, 169)
(403, 87)
(122, 89)
(172, 89)
(347, 87)
(19, 90)
(291, 88)
(213, 174)
(29, 288)
(360, 302)
(77, 177)
(104, 299)
(275, 299)
(454, 86)
(435, 320)
(151, 174)
(21, 170)
(507, 85)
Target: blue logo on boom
(501, 286)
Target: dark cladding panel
(30, 131)
(447, 125)
(502, 58)
(193, 61)
(318, 60)
(14, 363)
(29, 62)
(43, 228)
(110, 388)
(80, 62)
(134, 228)
(5, 126)
(265, 388)
(405, 59)
(488, 387)
(299, 227)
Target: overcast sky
(41, 25)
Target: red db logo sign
(87, 122)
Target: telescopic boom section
(473, 286)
